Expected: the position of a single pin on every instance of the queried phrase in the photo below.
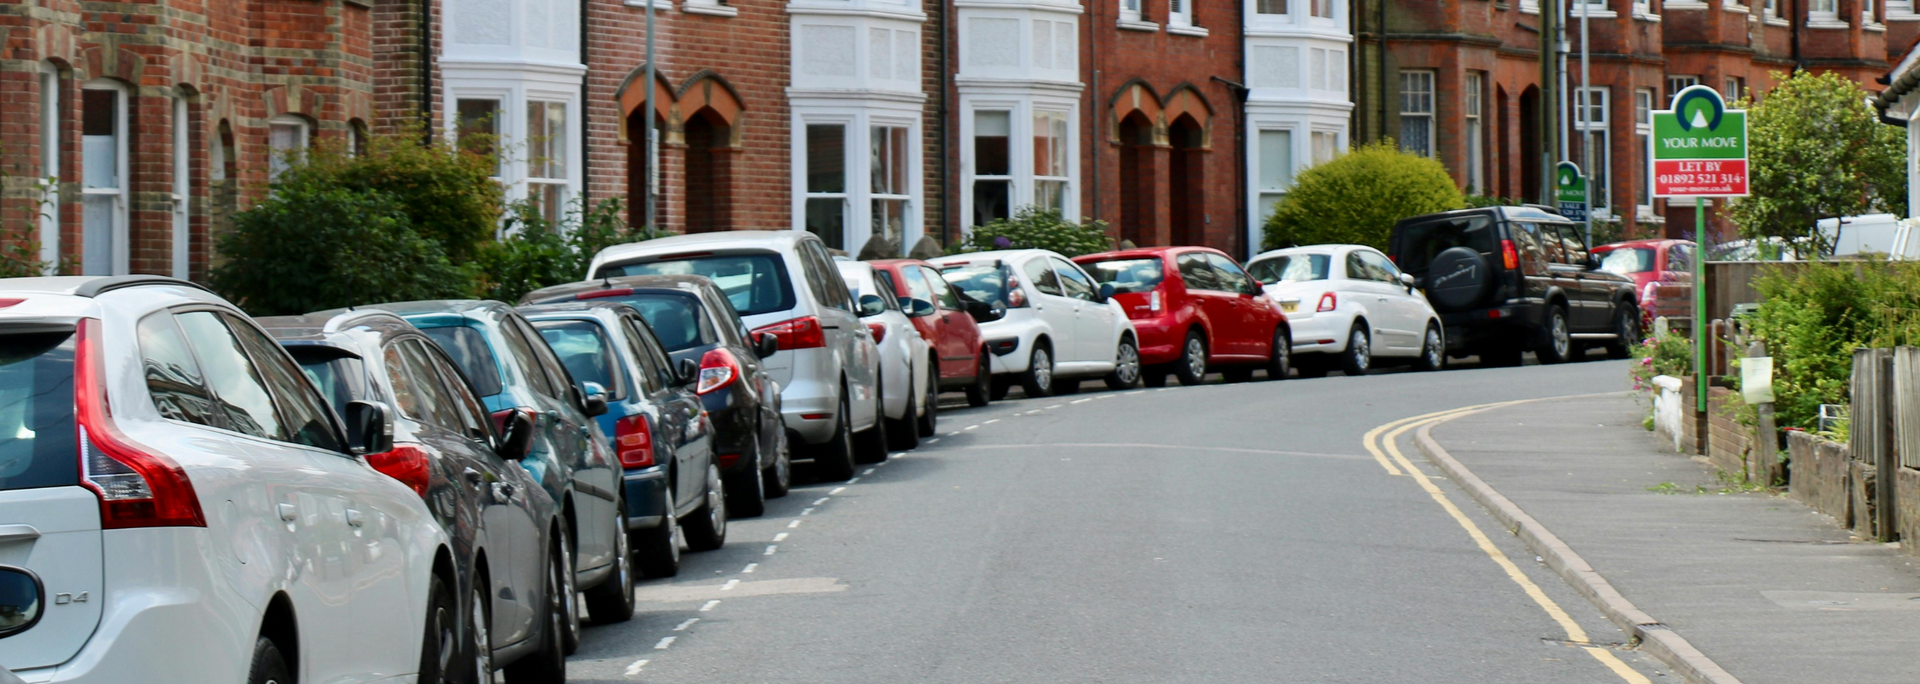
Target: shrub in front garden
(537, 253)
(1357, 197)
(448, 194)
(1812, 318)
(1032, 228)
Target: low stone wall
(1727, 440)
(1906, 515)
(1820, 473)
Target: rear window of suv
(755, 282)
(36, 410)
(1128, 275)
(1419, 243)
(475, 358)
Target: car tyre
(479, 629)
(747, 490)
(1433, 350)
(982, 390)
(612, 601)
(1126, 365)
(1191, 368)
(1037, 381)
(778, 478)
(1280, 355)
(548, 665)
(269, 667)
(1559, 347)
(930, 405)
(834, 460)
(871, 446)
(706, 529)
(1626, 330)
(1358, 358)
(658, 549)
(904, 434)
(570, 634)
(440, 646)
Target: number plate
(1289, 306)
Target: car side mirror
(689, 371)
(516, 433)
(369, 428)
(917, 308)
(766, 345)
(22, 599)
(595, 402)
(1593, 261)
(1408, 280)
(872, 305)
(1106, 292)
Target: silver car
(784, 284)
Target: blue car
(661, 433)
(518, 377)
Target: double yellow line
(1386, 451)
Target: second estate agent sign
(1699, 147)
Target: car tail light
(633, 442)
(718, 369)
(602, 294)
(879, 331)
(1328, 302)
(1154, 303)
(1508, 256)
(1016, 297)
(137, 488)
(800, 333)
(727, 460)
(407, 463)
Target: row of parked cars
(432, 491)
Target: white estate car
(908, 387)
(196, 511)
(1349, 305)
(784, 284)
(1059, 327)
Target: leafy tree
(307, 248)
(1032, 228)
(447, 193)
(1816, 150)
(541, 253)
(1357, 197)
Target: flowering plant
(1668, 354)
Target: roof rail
(100, 286)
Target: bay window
(1322, 9)
(1675, 84)
(992, 166)
(547, 173)
(826, 183)
(1273, 7)
(477, 128)
(50, 110)
(1276, 169)
(287, 137)
(1416, 112)
(889, 167)
(1050, 161)
(103, 143)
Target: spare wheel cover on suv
(1457, 279)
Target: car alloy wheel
(1559, 343)
(717, 500)
(570, 633)
(1359, 357)
(1280, 362)
(1039, 379)
(482, 644)
(1126, 366)
(612, 601)
(1432, 353)
(1196, 357)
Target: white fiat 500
(1349, 307)
(909, 390)
(1059, 329)
(192, 505)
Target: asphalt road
(1221, 533)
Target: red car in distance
(1194, 308)
(1651, 263)
(948, 324)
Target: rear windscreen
(1127, 275)
(1419, 243)
(341, 379)
(36, 411)
(1290, 268)
(1627, 261)
(982, 282)
(469, 349)
(584, 349)
(675, 319)
(756, 283)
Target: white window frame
(1591, 121)
(879, 134)
(1180, 13)
(119, 261)
(1130, 11)
(970, 164)
(538, 184)
(1823, 12)
(1643, 99)
(1869, 14)
(1064, 155)
(860, 127)
(499, 100)
(278, 161)
(1677, 83)
(1323, 10)
(1020, 109)
(1732, 87)
(1290, 171)
(1255, 15)
(1530, 6)
(708, 7)
(1421, 107)
(51, 106)
(182, 186)
(1899, 9)
(802, 162)
(1472, 109)
(1643, 9)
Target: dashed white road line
(990, 422)
(970, 427)
(793, 524)
(806, 511)
(868, 471)
(709, 605)
(852, 481)
(931, 441)
(730, 585)
(664, 643)
(1104, 396)
(831, 492)
(955, 433)
(1055, 406)
(750, 568)
(780, 537)
(684, 625)
(770, 550)
(1079, 401)
(1035, 412)
(1166, 389)
(819, 501)
(634, 668)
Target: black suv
(1511, 279)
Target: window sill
(1776, 21)
(1529, 10)
(1649, 18)
(1195, 31)
(1827, 23)
(1573, 14)
(666, 5)
(1736, 9)
(1671, 5)
(710, 10)
(1137, 25)
(1875, 27)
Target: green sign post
(1699, 150)
(1570, 188)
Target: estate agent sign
(1570, 188)
(1699, 147)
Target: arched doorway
(1529, 145)
(709, 183)
(1139, 179)
(1187, 181)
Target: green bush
(20, 244)
(540, 253)
(448, 194)
(306, 248)
(1668, 354)
(1818, 151)
(1031, 228)
(1812, 318)
(1357, 197)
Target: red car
(949, 326)
(1649, 263)
(1194, 308)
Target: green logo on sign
(1699, 127)
(1571, 186)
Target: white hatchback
(195, 509)
(909, 390)
(1348, 305)
(1059, 327)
